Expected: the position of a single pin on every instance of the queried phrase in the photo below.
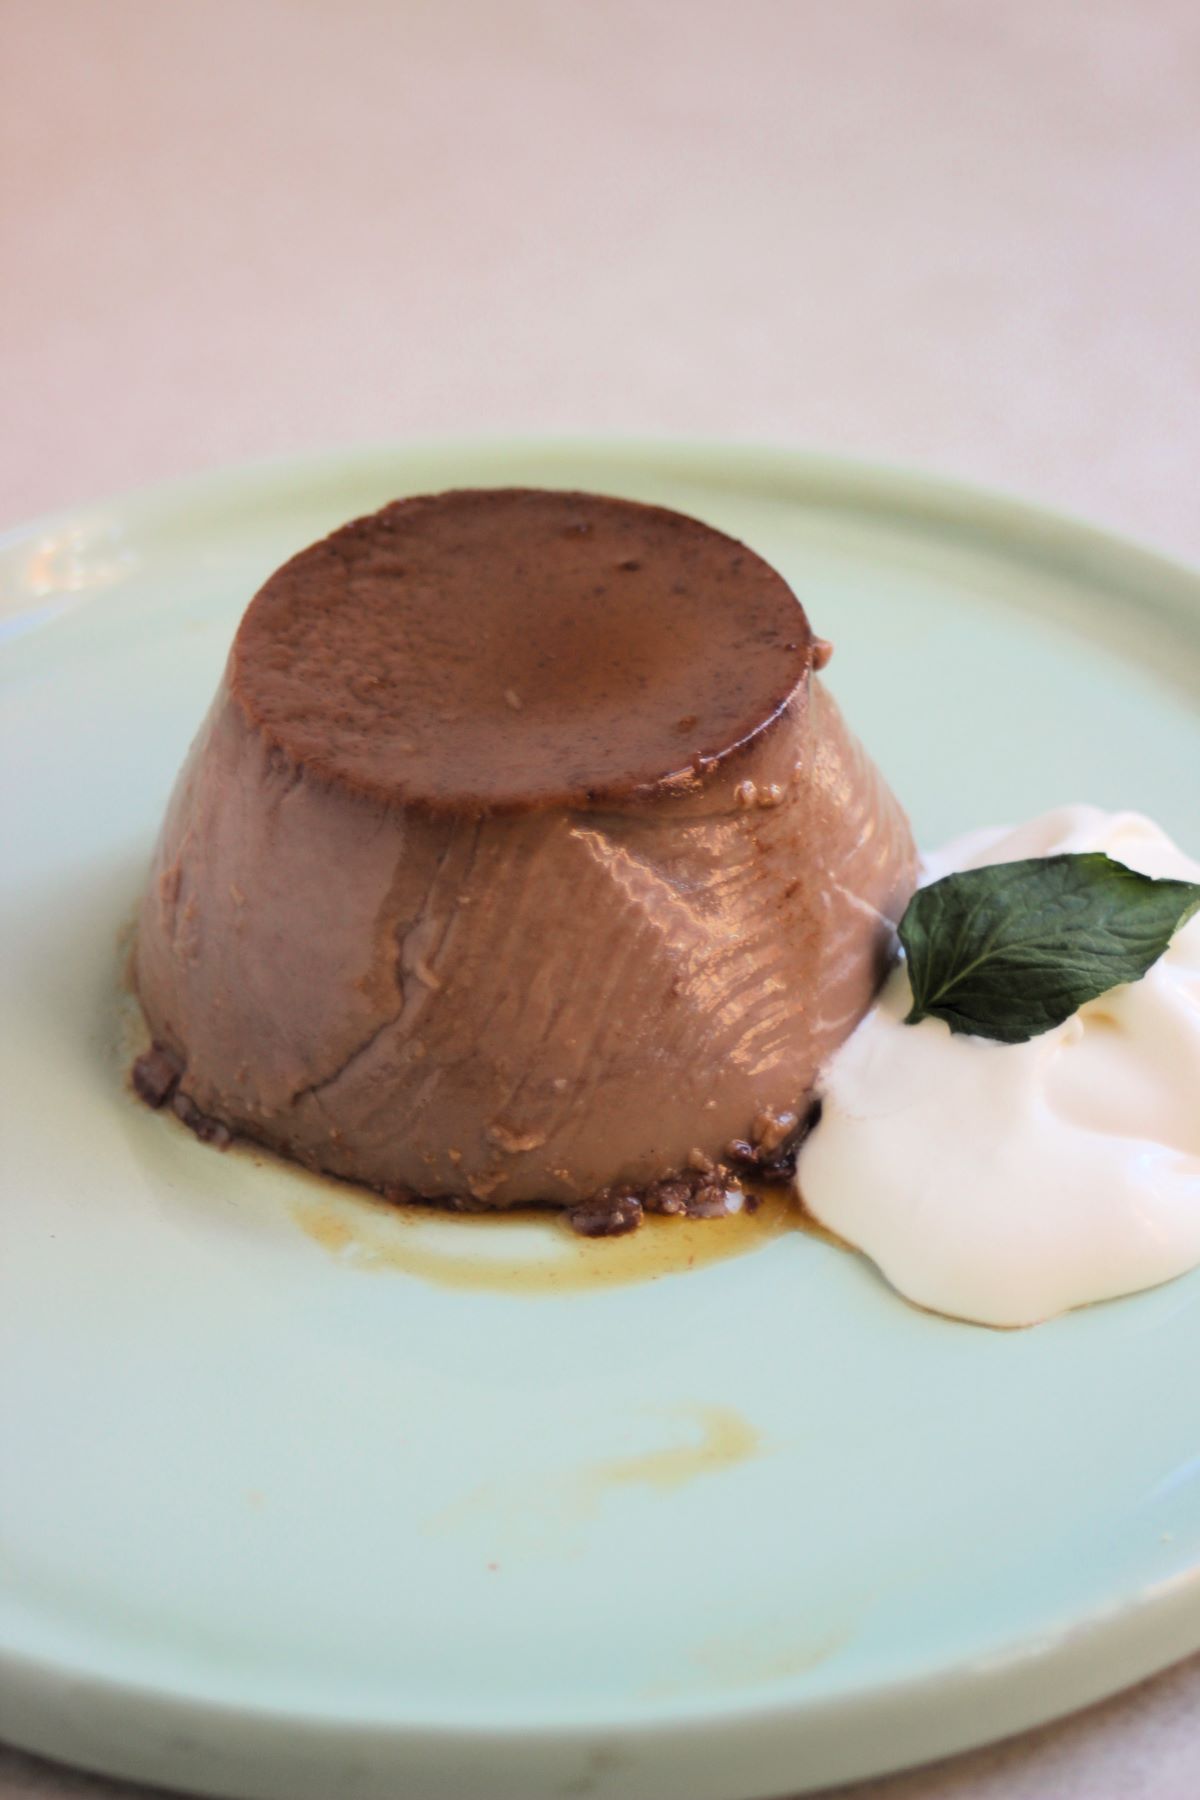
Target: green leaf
(1011, 950)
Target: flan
(523, 856)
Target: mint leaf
(1011, 950)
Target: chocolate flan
(523, 856)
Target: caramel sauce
(519, 1515)
(526, 1250)
(812, 1227)
(726, 1439)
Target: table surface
(963, 237)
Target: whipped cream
(1005, 1183)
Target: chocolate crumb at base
(711, 1193)
(605, 1215)
(208, 1130)
(713, 1190)
(155, 1076)
(772, 1159)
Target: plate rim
(905, 482)
(940, 1712)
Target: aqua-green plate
(278, 1526)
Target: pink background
(959, 234)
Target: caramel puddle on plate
(548, 1514)
(725, 1439)
(528, 1251)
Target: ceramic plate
(296, 1507)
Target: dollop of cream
(1005, 1183)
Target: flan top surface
(496, 649)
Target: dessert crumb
(156, 1076)
(209, 1131)
(606, 1214)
